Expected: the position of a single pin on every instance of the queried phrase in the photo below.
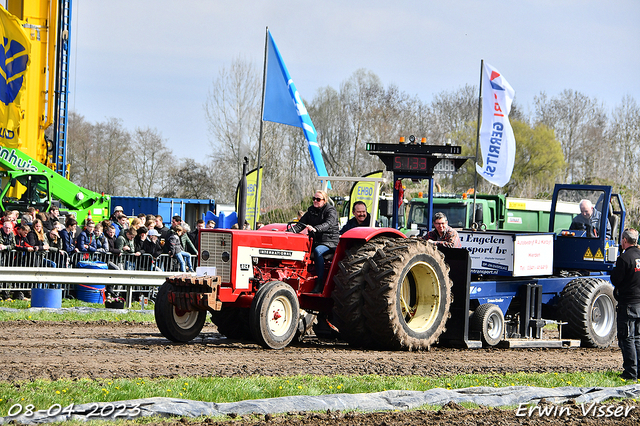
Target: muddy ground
(53, 350)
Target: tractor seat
(328, 256)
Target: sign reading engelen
(509, 254)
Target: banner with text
(253, 191)
(363, 191)
(497, 143)
(509, 254)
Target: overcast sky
(151, 62)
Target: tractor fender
(361, 235)
(364, 233)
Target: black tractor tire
(347, 296)
(408, 294)
(232, 322)
(589, 308)
(274, 315)
(176, 325)
(488, 320)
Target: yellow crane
(41, 23)
(33, 110)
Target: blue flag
(282, 103)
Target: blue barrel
(87, 264)
(90, 293)
(46, 298)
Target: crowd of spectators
(119, 235)
(62, 242)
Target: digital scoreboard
(418, 159)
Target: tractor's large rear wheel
(232, 322)
(408, 294)
(274, 315)
(175, 324)
(347, 295)
(588, 306)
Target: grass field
(43, 393)
(23, 312)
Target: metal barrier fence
(40, 259)
(23, 271)
(129, 262)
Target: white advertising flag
(497, 142)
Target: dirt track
(113, 350)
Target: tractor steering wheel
(291, 226)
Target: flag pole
(256, 206)
(475, 170)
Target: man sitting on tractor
(360, 217)
(589, 220)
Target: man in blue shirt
(589, 220)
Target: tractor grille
(218, 245)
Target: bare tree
(152, 160)
(232, 110)
(577, 121)
(80, 154)
(359, 96)
(192, 180)
(96, 154)
(330, 120)
(111, 144)
(624, 134)
(451, 111)
(364, 111)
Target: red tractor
(386, 291)
(382, 289)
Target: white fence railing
(126, 273)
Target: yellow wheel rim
(420, 297)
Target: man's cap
(153, 233)
(118, 208)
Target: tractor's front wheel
(408, 294)
(274, 315)
(175, 324)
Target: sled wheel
(488, 320)
(588, 306)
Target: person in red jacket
(22, 242)
(625, 277)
